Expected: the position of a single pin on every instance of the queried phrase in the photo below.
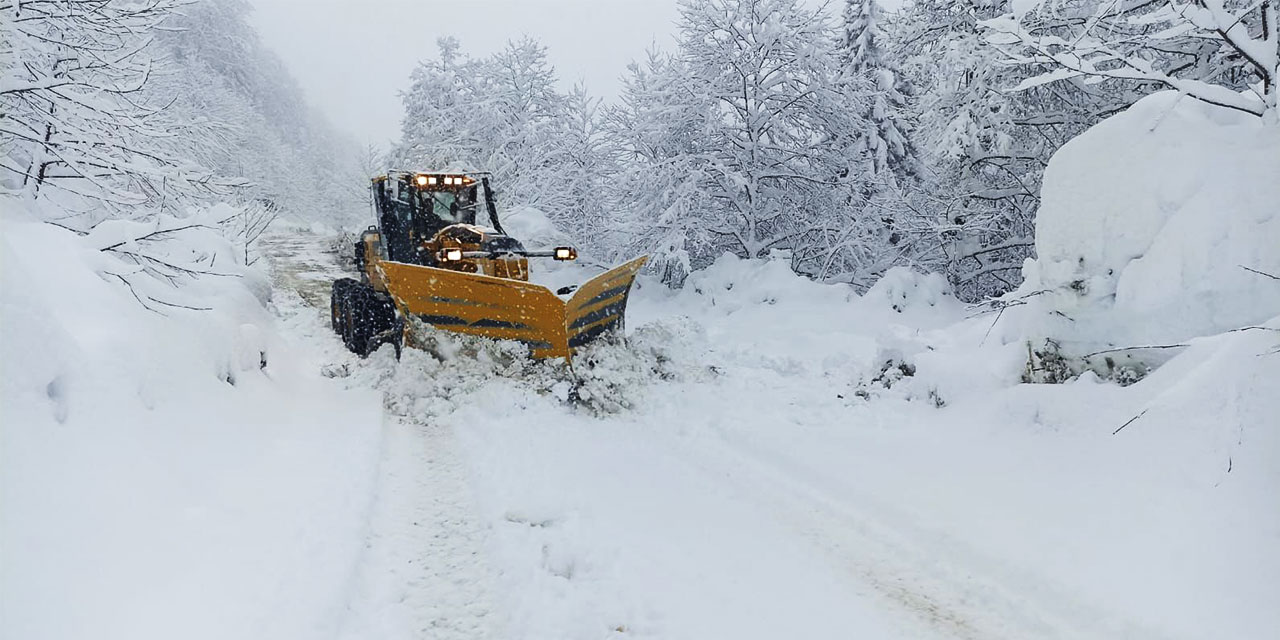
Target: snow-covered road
(422, 573)
(741, 472)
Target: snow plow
(427, 262)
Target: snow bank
(1148, 221)
(908, 291)
(732, 283)
(166, 473)
(901, 296)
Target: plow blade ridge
(480, 305)
(598, 307)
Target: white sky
(353, 57)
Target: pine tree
(889, 152)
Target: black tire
(336, 310)
(338, 303)
(362, 316)
(360, 330)
(348, 324)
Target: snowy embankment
(176, 473)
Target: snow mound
(614, 377)
(156, 462)
(1148, 222)
(451, 370)
(732, 283)
(907, 290)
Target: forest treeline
(838, 137)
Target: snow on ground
(735, 503)
(421, 573)
(156, 480)
(769, 456)
(763, 457)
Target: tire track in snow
(938, 579)
(422, 573)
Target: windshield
(441, 204)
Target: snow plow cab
(428, 261)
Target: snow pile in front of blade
(607, 377)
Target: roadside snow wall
(1148, 222)
(157, 479)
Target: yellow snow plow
(428, 260)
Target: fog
(352, 58)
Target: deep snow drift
(1155, 224)
(168, 474)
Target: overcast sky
(353, 57)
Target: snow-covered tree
(289, 159)
(500, 114)
(747, 137)
(587, 164)
(889, 152)
(985, 146)
(75, 115)
(128, 122)
(658, 195)
(1225, 52)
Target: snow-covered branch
(1224, 52)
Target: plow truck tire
(363, 317)
(337, 304)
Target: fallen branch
(1149, 346)
(178, 306)
(135, 293)
(153, 234)
(1129, 422)
(1261, 273)
(1254, 327)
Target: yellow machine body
(508, 309)
(428, 261)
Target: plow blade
(503, 309)
(598, 306)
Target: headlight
(452, 255)
(422, 181)
(565, 253)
